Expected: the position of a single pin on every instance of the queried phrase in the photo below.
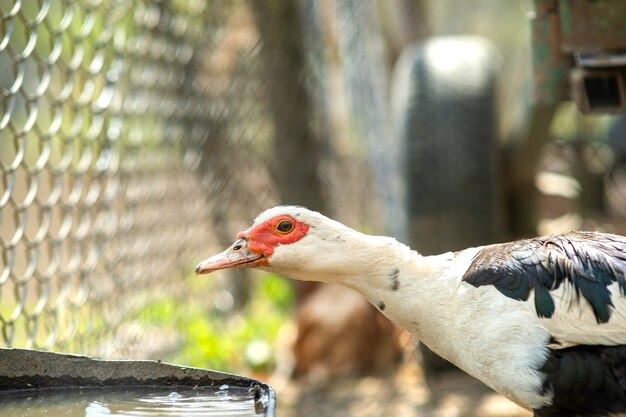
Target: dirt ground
(403, 393)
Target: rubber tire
(445, 115)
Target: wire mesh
(94, 169)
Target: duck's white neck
(412, 290)
(418, 293)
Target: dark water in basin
(133, 402)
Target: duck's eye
(284, 227)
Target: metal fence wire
(136, 136)
(98, 192)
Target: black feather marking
(554, 341)
(544, 304)
(585, 380)
(394, 276)
(588, 261)
(381, 305)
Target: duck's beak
(236, 256)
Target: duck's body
(476, 307)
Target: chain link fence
(99, 195)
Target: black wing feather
(585, 380)
(588, 261)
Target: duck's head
(296, 242)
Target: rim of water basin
(22, 369)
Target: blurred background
(137, 137)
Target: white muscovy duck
(541, 321)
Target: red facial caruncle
(255, 246)
(280, 230)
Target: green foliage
(236, 341)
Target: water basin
(37, 384)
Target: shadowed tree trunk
(296, 149)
